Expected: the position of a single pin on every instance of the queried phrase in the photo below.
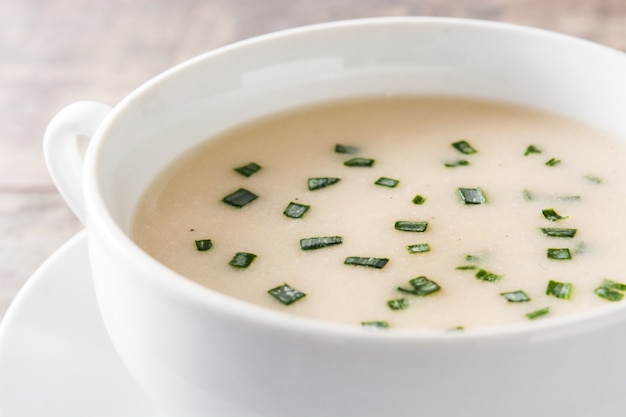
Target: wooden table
(54, 52)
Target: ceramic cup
(201, 353)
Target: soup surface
(400, 212)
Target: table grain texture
(55, 52)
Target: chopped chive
(552, 162)
(472, 258)
(319, 242)
(472, 195)
(387, 182)
(240, 198)
(608, 294)
(560, 289)
(359, 162)
(518, 296)
(614, 285)
(456, 329)
(249, 169)
(398, 304)
(346, 149)
(204, 244)
(487, 276)
(418, 248)
(464, 147)
(409, 226)
(378, 263)
(531, 149)
(421, 286)
(286, 294)
(466, 267)
(594, 179)
(559, 253)
(380, 324)
(321, 182)
(419, 200)
(552, 215)
(457, 163)
(558, 232)
(528, 195)
(538, 313)
(295, 210)
(242, 260)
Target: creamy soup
(399, 212)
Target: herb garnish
(552, 162)
(552, 215)
(296, 210)
(457, 163)
(559, 253)
(377, 263)
(614, 285)
(387, 182)
(418, 248)
(375, 324)
(346, 149)
(321, 182)
(594, 179)
(560, 289)
(398, 304)
(528, 195)
(240, 198)
(464, 147)
(421, 286)
(531, 149)
(204, 244)
(472, 195)
(248, 169)
(359, 162)
(518, 296)
(242, 260)
(610, 290)
(286, 294)
(487, 276)
(418, 199)
(558, 232)
(538, 313)
(319, 242)
(409, 226)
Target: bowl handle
(62, 152)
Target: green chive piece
(538, 313)
(387, 182)
(518, 296)
(346, 149)
(456, 329)
(286, 294)
(559, 253)
(608, 294)
(594, 179)
(487, 276)
(381, 324)
(421, 286)
(466, 267)
(377, 263)
(295, 210)
(418, 248)
(560, 289)
(321, 182)
(398, 304)
(552, 162)
(472, 195)
(249, 169)
(242, 260)
(614, 285)
(204, 244)
(531, 149)
(409, 226)
(419, 200)
(319, 242)
(558, 232)
(458, 163)
(360, 162)
(240, 198)
(528, 195)
(552, 215)
(464, 147)
(472, 258)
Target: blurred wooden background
(54, 52)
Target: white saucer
(56, 359)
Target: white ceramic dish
(56, 359)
